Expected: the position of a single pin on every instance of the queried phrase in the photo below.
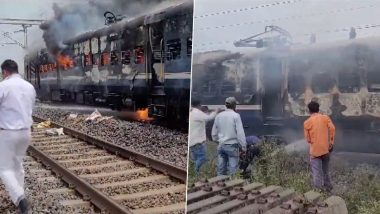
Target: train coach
(274, 85)
(140, 64)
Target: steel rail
(162, 167)
(88, 192)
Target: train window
(125, 57)
(114, 58)
(94, 45)
(41, 69)
(172, 25)
(296, 84)
(87, 59)
(105, 59)
(78, 61)
(349, 82)
(103, 43)
(228, 87)
(173, 49)
(322, 83)
(139, 55)
(373, 81)
(86, 48)
(81, 48)
(45, 68)
(189, 46)
(76, 49)
(95, 59)
(209, 88)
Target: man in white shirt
(228, 131)
(197, 133)
(17, 98)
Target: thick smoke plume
(74, 19)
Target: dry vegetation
(359, 186)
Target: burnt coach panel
(137, 63)
(343, 76)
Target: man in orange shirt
(319, 133)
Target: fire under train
(274, 85)
(141, 63)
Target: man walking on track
(319, 133)
(17, 98)
(228, 131)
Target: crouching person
(253, 150)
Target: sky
(24, 9)
(218, 23)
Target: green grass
(359, 187)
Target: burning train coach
(274, 85)
(140, 63)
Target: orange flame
(142, 114)
(65, 61)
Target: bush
(359, 186)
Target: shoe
(23, 206)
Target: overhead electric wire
(287, 18)
(336, 30)
(225, 12)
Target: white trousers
(13, 146)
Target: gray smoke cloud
(74, 19)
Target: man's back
(17, 98)
(319, 132)
(198, 121)
(228, 128)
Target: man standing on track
(197, 135)
(17, 98)
(319, 133)
(228, 131)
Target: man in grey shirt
(228, 131)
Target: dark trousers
(320, 172)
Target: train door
(272, 77)
(156, 67)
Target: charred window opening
(296, 84)
(114, 58)
(322, 83)
(349, 82)
(95, 45)
(189, 46)
(172, 25)
(95, 59)
(76, 49)
(126, 57)
(173, 49)
(209, 88)
(228, 87)
(78, 61)
(139, 55)
(105, 59)
(87, 59)
(373, 81)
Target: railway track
(222, 195)
(112, 178)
